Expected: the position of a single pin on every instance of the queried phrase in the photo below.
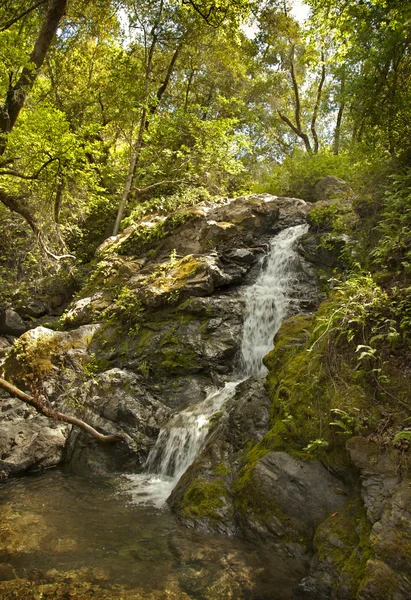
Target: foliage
(298, 174)
(393, 251)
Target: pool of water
(78, 534)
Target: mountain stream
(115, 537)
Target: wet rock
(114, 402)
(288, 499)
(11, 323)
(181, 352)
(249, 418)
(29, 442)
(241, 255)
(379, 475)
(324, 255)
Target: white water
(267, 303)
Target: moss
(172, 276)
(222, 469)
(204, 499)
(96, 365)
(179, 359)
(315, 394)
(148, 235)
(35, 354)
(342, 540)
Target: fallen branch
(49, 412)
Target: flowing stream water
(267, 302)
(106, 538)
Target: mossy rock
(343, 546)
(36, 353)
(148, 235)
(205, 499)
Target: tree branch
(35, 175)
(21, 15)
(297, 131)
(16, 95)
(46, 410)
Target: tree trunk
(297, 108)
(131, 171)
(317, 106)
(144, 124)
(337, 130)
(16, 95)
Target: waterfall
(268, 301)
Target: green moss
(204, 499)
(222, 469)
(96, 365)
(33, 357)
(149, 235)
(178, 359)
(343, 541)
(315, 394)
(170, 278)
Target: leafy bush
(298, 175)
(393, 250)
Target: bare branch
(21, 15)
(46, 410)
(35, 175)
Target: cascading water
(269, 300)
(267, 303)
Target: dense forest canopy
(114, 108)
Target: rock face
(115, 401)
(156, 326)
(276, 500)
(28, 441)
(332, 187)
(372, 537)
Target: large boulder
(114, 401)
(364, 551)
(272, 498)
(29, 442)
(11, 323)
(332, 187)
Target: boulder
(332, 187)
(114, 401)
(11, 323)
(29, 442)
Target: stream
(117, 531)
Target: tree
(372, 48)
(295, 61)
